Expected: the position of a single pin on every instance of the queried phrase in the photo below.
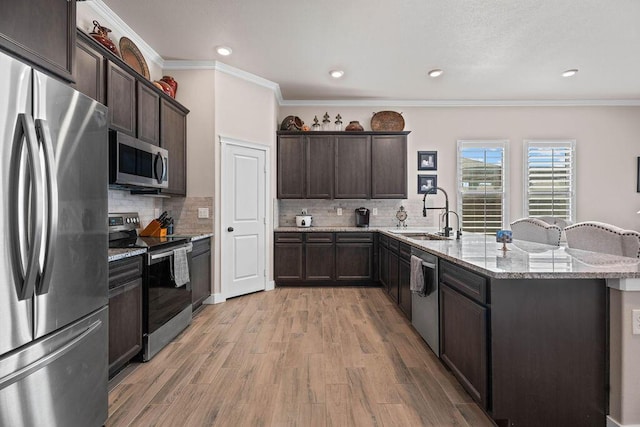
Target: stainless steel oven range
(166, 293)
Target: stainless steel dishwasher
(425, 313)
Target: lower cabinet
(324, 258)
(125, 312)
(463, 329)
(404, 285)
(396, 268)
(383, 261)
(200, 272)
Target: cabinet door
(394, 272)
(389, 167)
(291, 170)
(89, 72)
(404, 287)
(288, 263)
(354, 261)
(463, 345)
(121, 99)
(148, 114)
(319, 261)
(319, 167)
(383, 263)
(200, 272)
(41, 31)
(173, 137)
(353, 167)
(125, 324)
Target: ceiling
(488, 49)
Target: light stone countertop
(523, 260)
(193, 237)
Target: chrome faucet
(447, 229)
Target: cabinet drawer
(384, 240)
(319, 237)
(464, 281)
(288, 237)
(124, 270)
(394, 244)
(354, 237)
(201, 246)
(405, 251)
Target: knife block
(154, 229)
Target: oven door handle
(166, 254)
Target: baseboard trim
(613, 423)
(214, 299)
(271, 285)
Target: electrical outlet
(156, 212)
(635, 316)
(375, 211)
(203, 212)
(339, 211)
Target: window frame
(486, 144)
(559, 143)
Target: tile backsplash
(324, 212)
(121, 201)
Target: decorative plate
(387, 121)
(132, 56)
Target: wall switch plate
(635, 316)
(203, 212)
(156, 212)
(375, 211)
(339, 211)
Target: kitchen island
(538, 335)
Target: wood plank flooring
(295, 357)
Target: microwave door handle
(48, 241)
(159, 168)
(26, 207)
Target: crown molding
(104, 13)
(227, 69)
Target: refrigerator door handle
(48, 241)
(26, 215)
(48, 359)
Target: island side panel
(549, 352)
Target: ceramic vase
(171, 82)
(354, 126)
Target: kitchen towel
(180, 267)
(417, 276)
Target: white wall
(606, 148)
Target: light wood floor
(295, 357)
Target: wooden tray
(387, 121)
(133, 57)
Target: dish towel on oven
(417, 276)
(180, 267)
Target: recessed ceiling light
(336, 74)
(435, 72)
(570, 73)
(224, 50)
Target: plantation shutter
(481, 185)
(549, 179)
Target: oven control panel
(123, 221)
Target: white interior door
(243, 220)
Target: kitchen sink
(423, 236)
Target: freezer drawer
(60, 380)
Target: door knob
(230, 229)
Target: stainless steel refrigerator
(53, 252)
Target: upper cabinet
(121, 99)
(148, 113)
(342, 165)
(173, 137)
(89, 71)
(42, 32)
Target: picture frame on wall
(638, 177)
(427, 183)
(427, 160)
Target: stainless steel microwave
(136, 164)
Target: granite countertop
(116, 254)
(193, 237)
(523, 260)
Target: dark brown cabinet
(200, 272)
(121, 99)
(389, 167)
(41, 31)
(173, 138)
(320, 261)
(354, 257)
(353, 167)
(463, 329)
(125, 312)
(148, 114)
(342, 165)
(396, 269)
(305, 166)
(326, 258)
(383, 261)
(89, 71)
(404, 281)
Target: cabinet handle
(230, 229)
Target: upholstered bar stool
(536, 230)
(601, 237)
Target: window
(481, 185)
(549, 181)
